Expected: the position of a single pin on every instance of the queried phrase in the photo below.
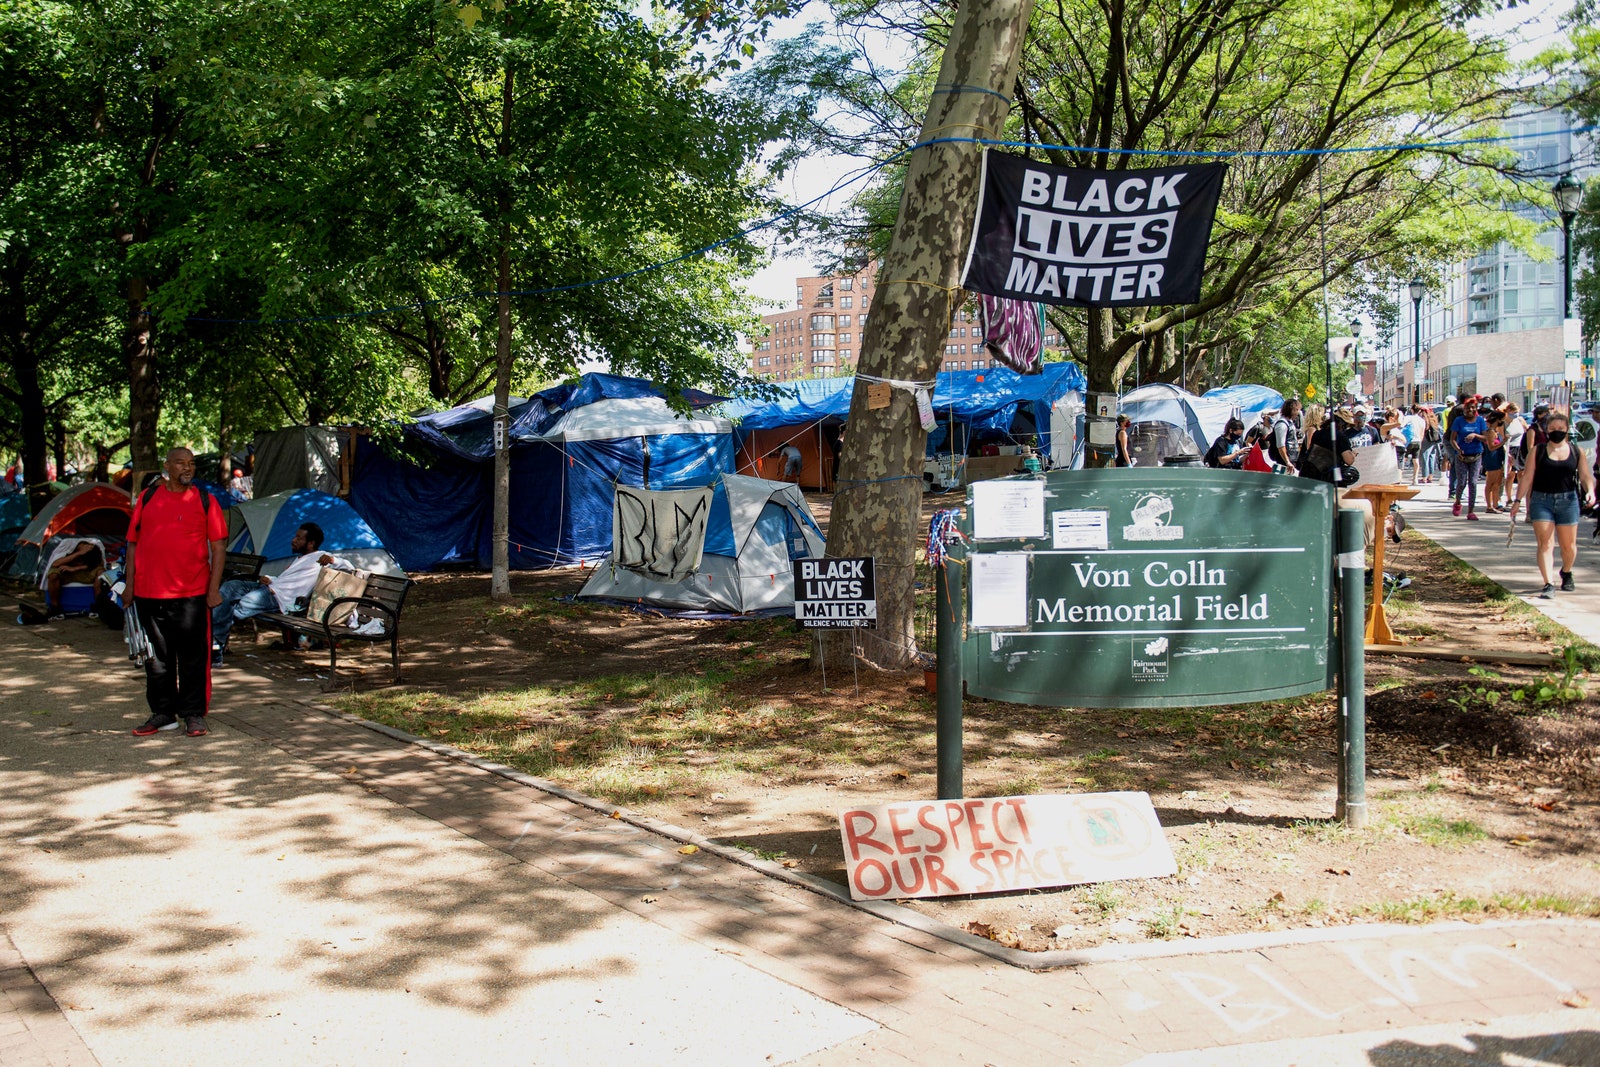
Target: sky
(1530, 25)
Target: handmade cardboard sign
(878, 395)
(939, 848)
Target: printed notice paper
(1000, 591)
(1082, 528)
(1004, 508)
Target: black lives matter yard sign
(835, 593)
(1095, 238)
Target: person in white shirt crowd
(243, 599)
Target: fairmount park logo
(1150, 517)
(1150, 659)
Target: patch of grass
(1104, 898)
(760, 853)
(1441, 832)
(1323, 831)
(1021, 785)
(1164, 926)
(1449, 905)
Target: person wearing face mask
(1554, 482)
(1468, 432)
(1225, 452)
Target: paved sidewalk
(298, 888)
(1483, 545)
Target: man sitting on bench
(284, 594)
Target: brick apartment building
(821, 336)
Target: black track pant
(177, 676)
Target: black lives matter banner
(1099, 238)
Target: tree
(875, 512)
(54, 299)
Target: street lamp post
(1568, 195)
(1418, 289)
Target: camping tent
(299, 457)
(1200, 417)
(90, 509)
(562, 476)
(430, 498)
(266, 525)
(754, 530)
(1251, 400)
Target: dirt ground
(1484, 787)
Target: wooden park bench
(383, 599)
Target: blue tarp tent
(425, 515)
(1251, 400)
(431, 501)
(804, 412)
(267, 524)
(562, 478)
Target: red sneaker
(155, 724)
(195, 726)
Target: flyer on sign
(1003, 508)
(941, 848)
(1081, 528)
(1000, 591)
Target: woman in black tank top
(1554, 483)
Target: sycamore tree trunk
(34, 432)
(876, 508)
(500, 575)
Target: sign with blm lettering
(1094, 238)
(940, 848)
(835, 593)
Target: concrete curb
(915, 920)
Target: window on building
(822, 322)
(844, 301)
(844, 320)
(822, 355)
(822, 340)
(846, 284)
(844, 338)
(980, 364)
(765, 361)
(825, 296)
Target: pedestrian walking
(1556, 480)
(176, 544)
(1494, 462)
(1467, 434)
(1432, 438)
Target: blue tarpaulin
(425, 516)
(1251, 400)
(982, 399)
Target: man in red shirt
(176, 546)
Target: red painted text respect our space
(938, 848)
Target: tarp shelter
(997, 402)
(266, 525)
(431, 500)
(426, 514)
(562, 476)
(1251, 400)
(755, 530)
(1200, 417)
(299, 457)
(89, 509)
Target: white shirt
(1413, 427)
(298, 578)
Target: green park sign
(1129, 588)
